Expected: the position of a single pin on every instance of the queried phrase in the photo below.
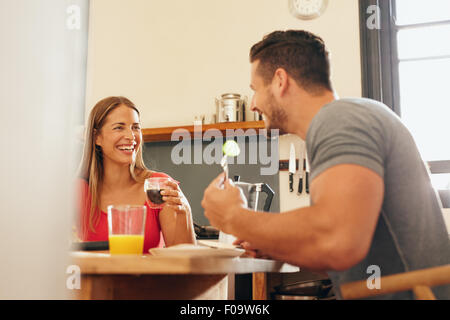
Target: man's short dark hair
(302, 54)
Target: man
(372, 202)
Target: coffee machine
(252, 193)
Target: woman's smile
(127, 148)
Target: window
(423, 51)
(406, 65)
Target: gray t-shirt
(410, 232)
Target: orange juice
(126, 244)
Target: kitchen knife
(292, 167)
(301, 169)
(306, 175)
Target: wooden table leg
(259, 286)
(95, 287)
(85, 291)
(153, 287)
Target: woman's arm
(176, 217)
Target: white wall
(172, 58)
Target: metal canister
(230, 107)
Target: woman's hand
(175, 217)
(174, 198)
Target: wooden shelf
(165, 134)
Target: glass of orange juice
(126, 225)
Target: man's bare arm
(334, 233)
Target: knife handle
(291, 182)
(307, 182)
(300, 186)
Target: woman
(113, 172)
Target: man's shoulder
(354, 105)
(350, 113)
(349, 131)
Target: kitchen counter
(167, 277)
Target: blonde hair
(91, 167)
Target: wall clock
(307, 9)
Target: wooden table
(167, 277)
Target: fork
(224, 164)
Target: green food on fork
(230, 149)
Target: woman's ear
(97, 138)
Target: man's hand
(250, 250)
(221, 201)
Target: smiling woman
(113, 172)
(93, 165)
(120, 136)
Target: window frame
(380, 79)
(380, 61)
(379, 54)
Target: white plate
(190, 250)
(216, 244)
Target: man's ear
(281, 81)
